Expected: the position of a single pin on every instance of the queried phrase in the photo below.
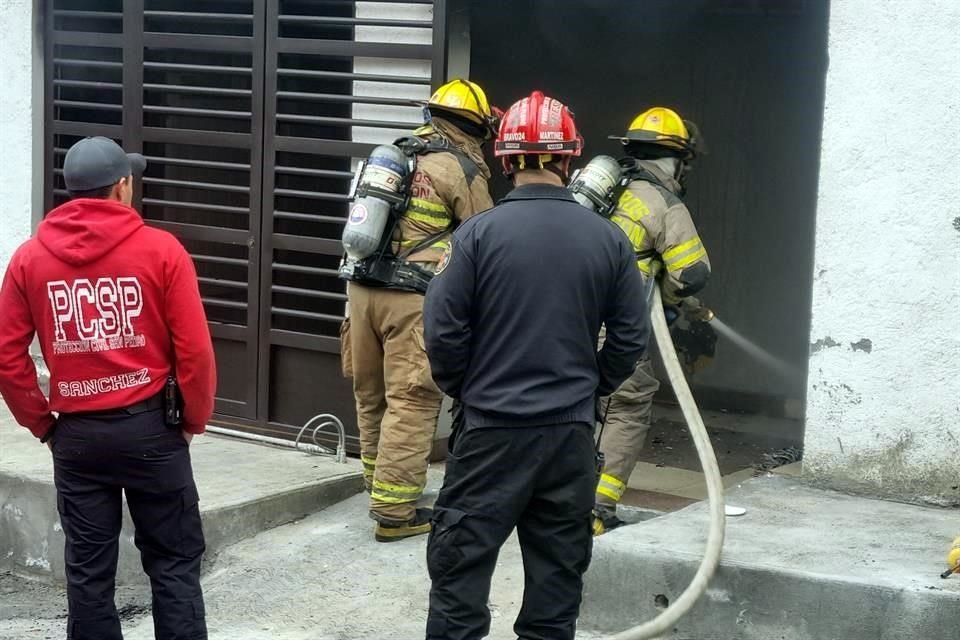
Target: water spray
(757, 352)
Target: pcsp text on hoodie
(116, 307)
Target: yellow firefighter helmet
(664, 132)
(467, 100)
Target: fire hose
(665, 622)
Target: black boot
(391, 531)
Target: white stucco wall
(17, 189)
(883, 413)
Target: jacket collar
(665, 178)
(467, 144)
(539, 192)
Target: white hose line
(664, 623)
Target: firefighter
(382, 339)
(660, 147)
(511, 326)
(117, 310)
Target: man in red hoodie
(117, 310)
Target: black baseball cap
(98, 162)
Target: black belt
(150, 404)
(388, 272)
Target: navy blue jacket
(511, 320)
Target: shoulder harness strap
(414, 146)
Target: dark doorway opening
(751, 75)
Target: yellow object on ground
(953, 558)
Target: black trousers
(94, 459)
(540, 480)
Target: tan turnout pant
(397, 401)
(628, 420)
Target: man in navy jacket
(511, 324)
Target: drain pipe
(664, 623)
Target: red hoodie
(116, 307)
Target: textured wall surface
(883, 403)
(16, 125)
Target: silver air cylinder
(382, 177)
(593, 186)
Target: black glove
(696, 344)
(671, 313)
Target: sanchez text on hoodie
(116, 307)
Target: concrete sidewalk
(802, 564)
(321, 578)
(245, 488)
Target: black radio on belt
(172, 403)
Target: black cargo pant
(538, 479)
(95, 457)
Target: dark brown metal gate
(252, 114)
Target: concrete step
(802, 564)
(245, 488)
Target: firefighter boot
(392, 530)
(605, 519)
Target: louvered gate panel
(341, 77)
(85, 75)
(253, 114)
(202, 118)
(180, 81)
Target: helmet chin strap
(682, 173)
